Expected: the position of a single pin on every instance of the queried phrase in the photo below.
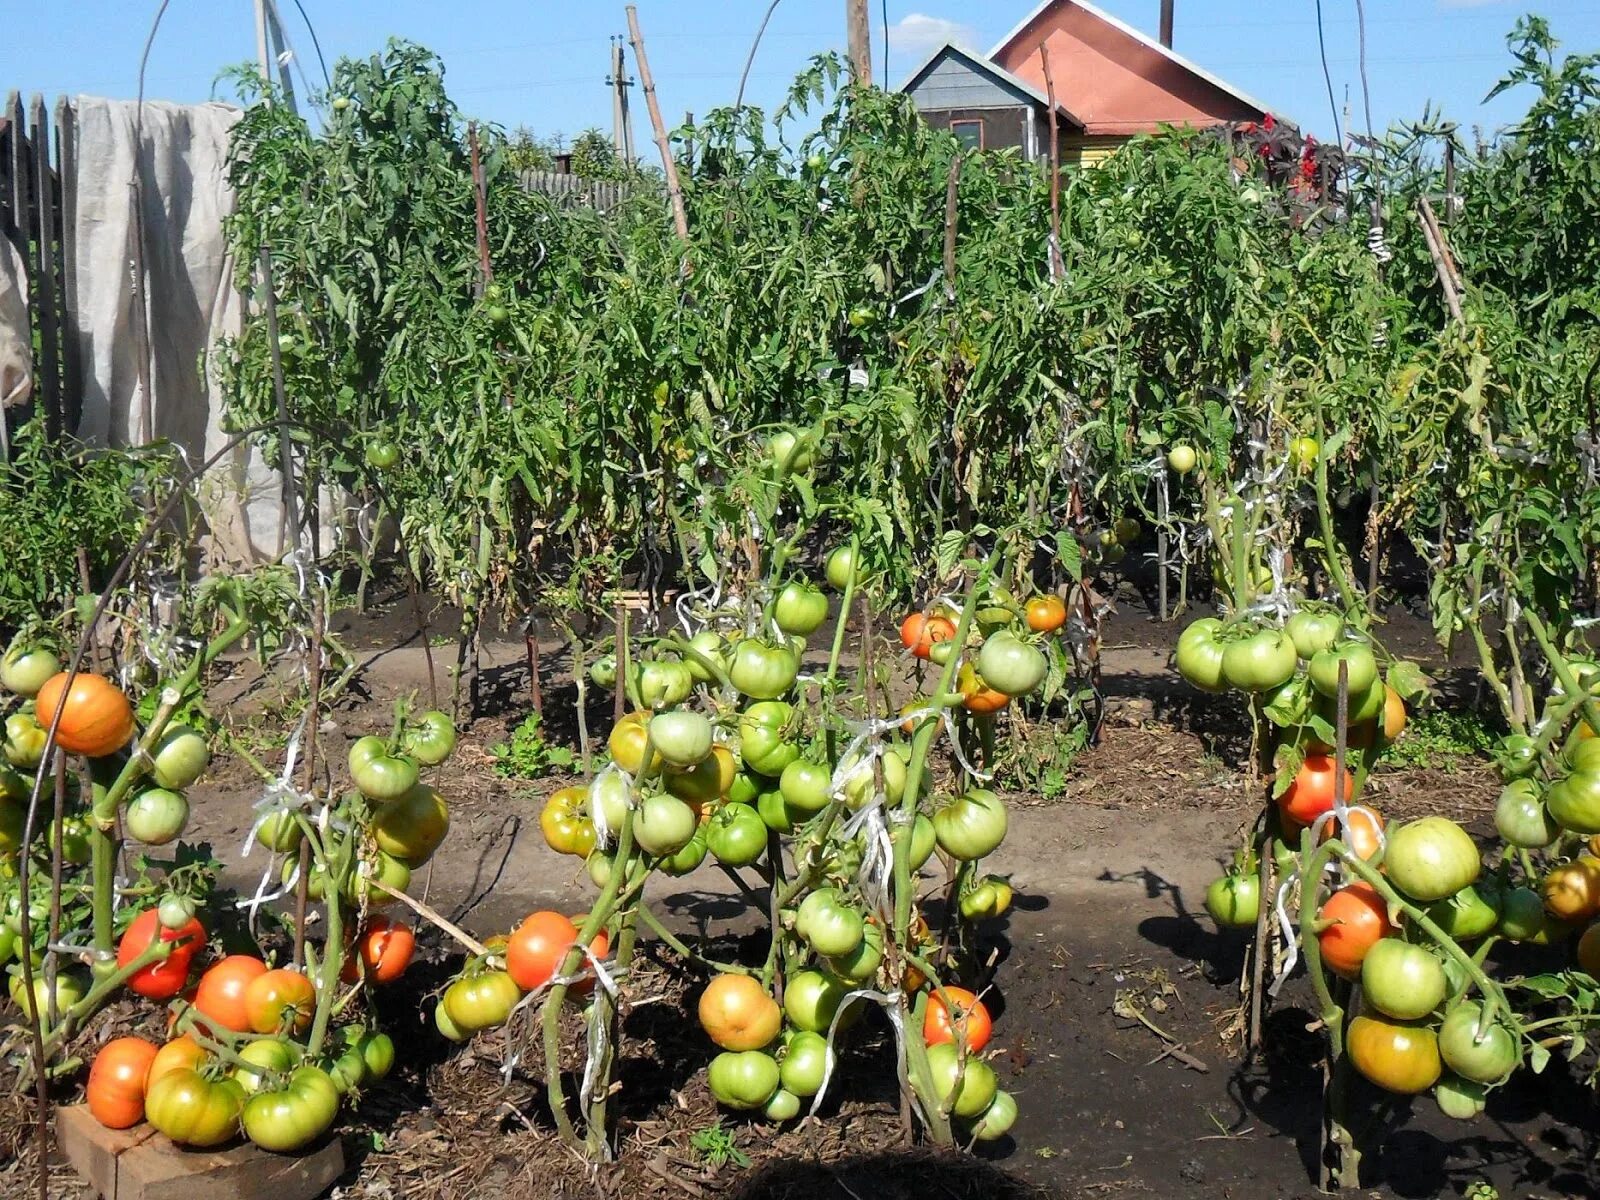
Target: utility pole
(1166, 23)
(860, 31)
(621, 117)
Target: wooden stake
(1058, 268)
(485, 269)
(680, 215)
(951, 212)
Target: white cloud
(917, 34)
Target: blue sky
(543, 64)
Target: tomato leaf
(1538, 1058)
(1407, 678)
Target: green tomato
(24, 744)
(599, 866)
(1520, 816)
(25, 669)
(763, 670)
(775, 813)
(861, 964)
(1460, 1099)
(700, 784)
(996, 1120)
(443, 1022)
(842, 567)
(743, 1079)
(1361, 669)
(174, 911)
(664, 825)
(860, 787)
(805, 786)
(180, 758)
(764, 744)
(736, 835)
(279, 833)
(383, 455)
(1199, 654)
(266, 1057)
(1486, 1059)
(156, 816)
(603, 671)
(12, 785)
(1181, 458)
(293, 1116)
(13, 821)
(978, 1083)
(193, 1110)
(1585, 756)
(746, 787)
(1314, 631)
(810, 1001)
(610, 798)
(412, 825)
(69, 987)
(710, 646)
(829, 924)
(1468, 914)
(784, 1106)
(971, 826)
(681, 737)
(1522, 915)
(689, 857)
(791, 452)
(1573, 803)
(662, 683)
(430, 738)
(1260, 662)
(481, 1001)
(1402, 980)
(346, 1069)
(1234, 900)
(1431, 858)
(376, 1050)
(804, 1063)
(379, 774)
(800, 609)
(1010, 665)
(74, 839)
(1303, 451)
(860, 317)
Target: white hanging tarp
(16, 342)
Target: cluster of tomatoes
(1001, 659)
(98, 722)
(241, 1062)
(491, 985)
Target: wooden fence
(575, 189)
(36, 217)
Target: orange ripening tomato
(599, 946)
(1365, 828)
(978, 696)
(1571, 891)
(971, 1018)
(918, 633)
(280, 1001)
(97, 719)
(384, 947)
(737, 1014)
(1394, 714)
(1311, 793)
(117, 1081)
(181, 1053)
(164, 979)
(1359, 918)
(220, 997)
(1046, 614)
(536, 947)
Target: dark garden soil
(1116, 1005)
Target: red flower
(1268, 123)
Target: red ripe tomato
(279, 1001)
(1359, 919)
(918, 633)
(165, 979)
(537, 946)
(599, 946)
(385, 947)
(220, 997)
(971, 1017)
(117, 1082)
(1311, 793)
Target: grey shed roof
(991, 72)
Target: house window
(968, 133)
